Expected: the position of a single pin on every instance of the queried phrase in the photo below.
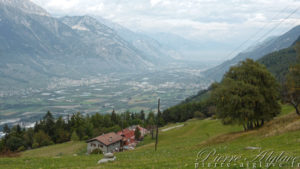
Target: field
(178, 147)
(102, 94)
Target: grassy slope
(177, 148)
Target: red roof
(107, 139)
(128, 136)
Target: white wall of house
(96, 145)
(114, 146)
(105, 149)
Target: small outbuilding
(128, 137)
(107, 143)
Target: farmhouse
(128, 136)
(109, 142)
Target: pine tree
(114, 118)
(74, 136)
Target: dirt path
(170, 128)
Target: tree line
(50, 130)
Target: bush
(198, 114)
(22, 148)
(96, 151)
(13, 143)
(74, 136)
(46, 143)
(35, 145)
(42, 139)
(85, 137)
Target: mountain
(26, 7)
(105, 42)
(270, 45)
(147, 45)
(192, 49)
(278, 62)
(35, 47)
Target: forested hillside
(277, 63)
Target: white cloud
(154, 2)
(230, 21)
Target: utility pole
(158, 114)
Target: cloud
(154, 2)
(230, 21)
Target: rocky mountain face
(34, 47)
(152, 49)
(105, 42)
(269, 46)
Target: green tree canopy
(291, 87)
(74, 136)
(137, 133)
(42, 139)
(247, 95)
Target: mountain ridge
(281, 42)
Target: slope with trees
(77, 127)
(291, 87)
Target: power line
(284, 31)
(266, 34)
(260, 30)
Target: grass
(177, 148)
(65, 149)
(285, 109)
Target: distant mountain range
(256, 52)
(34, 46)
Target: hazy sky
(224, 21)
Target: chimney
(110, 139)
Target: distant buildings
(113, 142)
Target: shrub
(22, 148)
(85, 137)
(96, 151)
(35, 145)
(198, 114)
(74, 136)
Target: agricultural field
(179, 147)
(102, 94)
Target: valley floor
(178, 148)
